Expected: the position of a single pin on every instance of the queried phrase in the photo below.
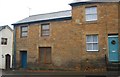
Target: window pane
(89, 46)
(44, 27)
(24, 28)
(94, 17)
(24, 33)
(91, 17)
(88, 17)
(95, 46)
(5, 41)
(95, 39)
(89, 38)
(91, 10)
(45, 32)
(87, 11)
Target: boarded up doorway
(45, 55)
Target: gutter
(81, 3)
(14, 42)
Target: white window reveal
(91, 13)
(92, 42)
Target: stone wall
(68, 38)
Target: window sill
(23, 36)
(92, 50)
(45, 36)
(91, 22)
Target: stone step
(114, 64)
(113, 68)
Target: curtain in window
(91, 13)
(92, 42)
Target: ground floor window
(92, 42)
(45, 55)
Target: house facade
(79, 38)
(6, 46)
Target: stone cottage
(84, 37)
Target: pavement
(29, 73)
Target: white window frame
(92, 43)
(91, 11)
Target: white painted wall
(0, 52)
(6, 49)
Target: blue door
(113, 48)
(23, 59)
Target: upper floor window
(3, 41)
(92, 42)
(91, 13)
(24, 31)
(45, 29)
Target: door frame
(110, 36)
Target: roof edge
(91, 1)
(57, 19)
(7, 27)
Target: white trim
(113, 36)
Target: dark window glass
(4, 41)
